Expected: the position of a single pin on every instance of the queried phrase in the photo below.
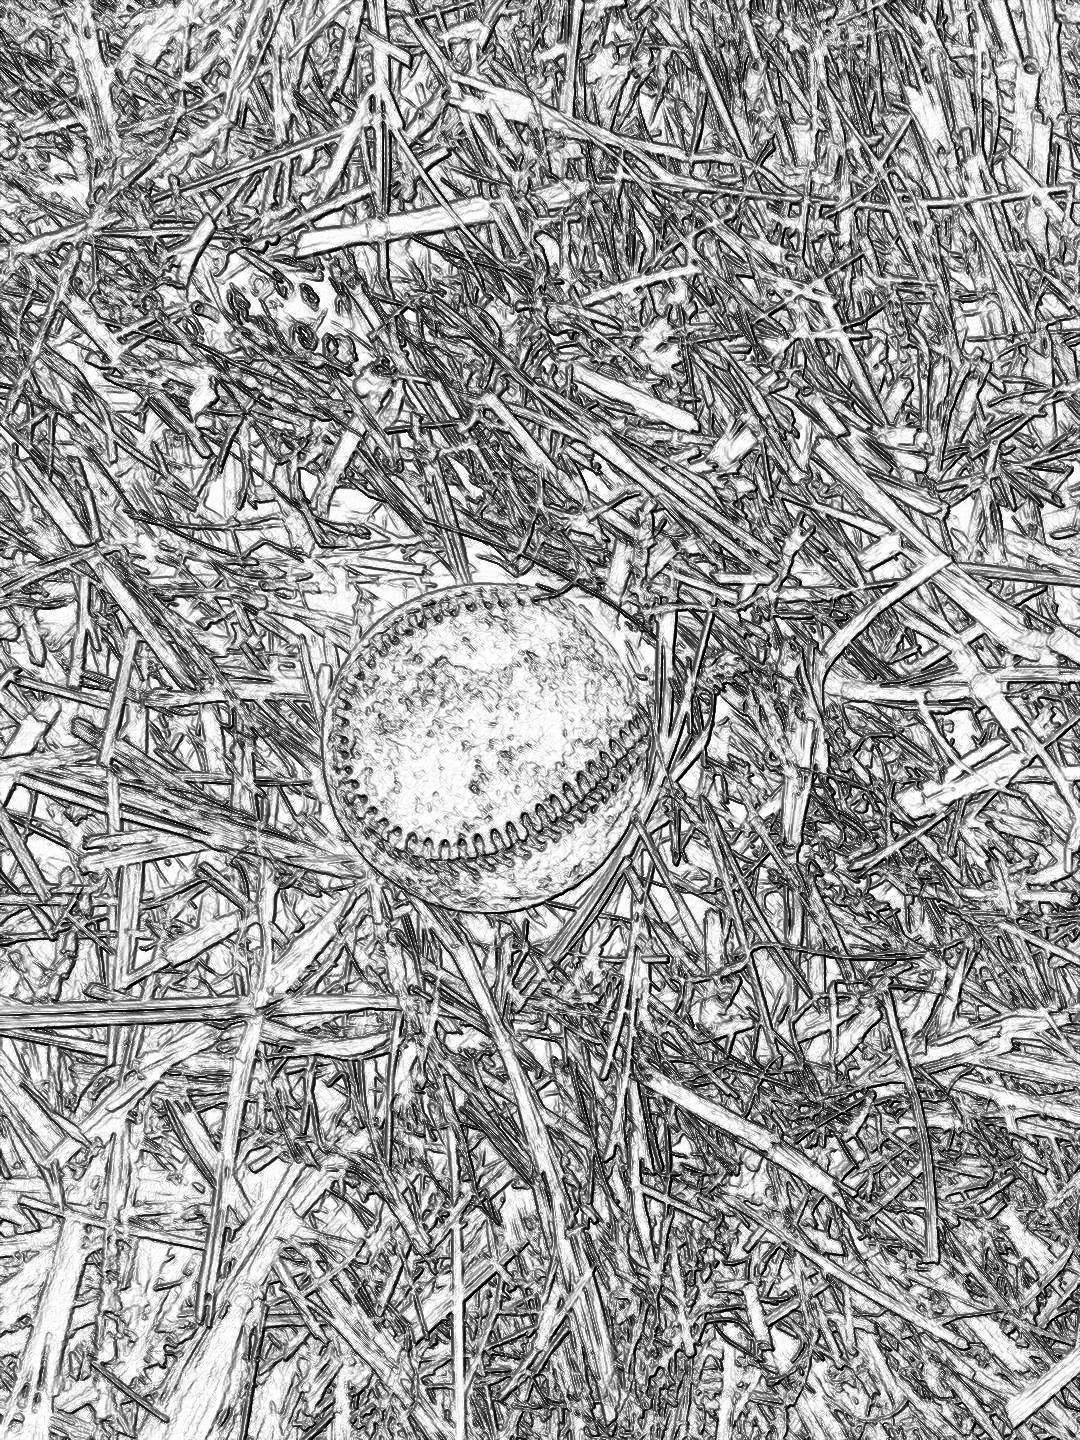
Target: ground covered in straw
(751, 321)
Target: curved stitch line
(534, 830)
(537, 826)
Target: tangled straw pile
(752, 321)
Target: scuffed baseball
(485, 746)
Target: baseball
(485, 746)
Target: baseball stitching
(536, 827)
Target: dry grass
(754, 322)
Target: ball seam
(536, 827)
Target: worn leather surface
(485, 745)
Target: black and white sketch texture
(539, 763)
(485, 748)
